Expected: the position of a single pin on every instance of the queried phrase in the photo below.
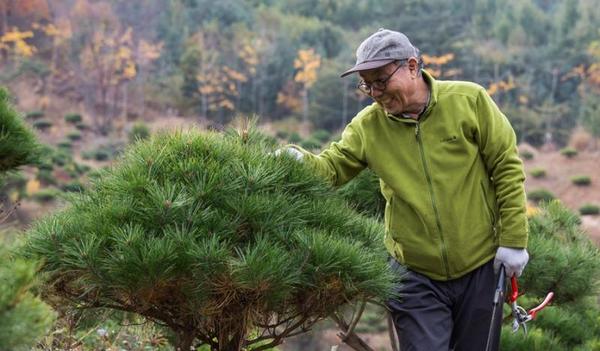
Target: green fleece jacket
(453, 180)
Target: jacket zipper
(432, 196)
(490, 211)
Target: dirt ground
(559, 171)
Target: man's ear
(413, 65)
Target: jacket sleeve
(498, 147)
(343, 160)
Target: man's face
(396, 97)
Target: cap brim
(367, 65)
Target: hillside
(559, 171)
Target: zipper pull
(417, 130)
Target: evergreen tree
(213, 237)
(18, 146)
(23, 316)
(565, 261)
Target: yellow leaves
(123, 53)
(577, 71)
(111, 53)
(129, 72)
(249, 55)
(289, 97)
(148, 52)
(32, 187)
(234, 75)
(227, 104)
(307, 63)
(15, 35)
(437, 60)
(532, 210)
(434, 65)
(16, 38)
(501, 86)
(219, 86)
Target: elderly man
(453, 181)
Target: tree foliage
(213, 237)
(18, 145)
(23, 316)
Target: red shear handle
(532, 312)
(515, 290)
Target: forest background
(211, 61)
(92, 76)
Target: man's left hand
(514, 260)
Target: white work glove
(291, 152)
(514, 260)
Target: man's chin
(389, 108)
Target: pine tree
(23, 316)
(18, 146)
(565, 261)
(212, 236)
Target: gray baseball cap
(382, 47)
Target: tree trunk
(305, 106)
(184, 341)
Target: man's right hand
(291, 152)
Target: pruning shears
(520, 315)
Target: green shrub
(15, 180)
(589, 209)
(61, 158)
(24, 318)
(282, 134)
(139, 131)
(568, 152)
(45, 166)
(311, 144)
(101, 155)
(46, 195)
(42, 124)
(65, 144)
(73, 118)
(81, 126)
(81, 168)
(539, 195)
(103, 152)
(321, 135)
(538, 173)
(295, 138)
(74, 135)
(46, 177)
(33, 115)
(581, 180)
(526, 155)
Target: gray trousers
(454, 315)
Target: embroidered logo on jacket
(450, 139)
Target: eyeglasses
(379, 84)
